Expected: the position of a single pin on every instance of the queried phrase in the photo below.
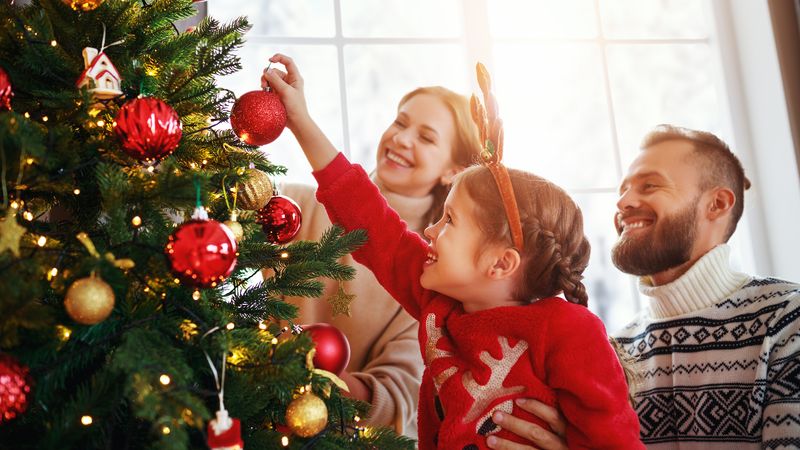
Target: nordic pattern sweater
(477, 363)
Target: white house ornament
(99, 74)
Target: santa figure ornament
(258, 117)
(225, 433)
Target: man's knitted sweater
(478, 363)
(720, 355)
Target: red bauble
(5, 91)
(258, 117)
(201, 252)
(333, 349)
(280, 219)
(15, 388)
(148, 129)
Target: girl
(431, 139)
(484, 290)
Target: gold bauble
(306, 415)
(89, 300)
(254, 193)
(83, 5)
(236, 229)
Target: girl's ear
(447, 177)
(506, 265)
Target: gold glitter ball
(307, 415)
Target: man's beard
(666, 245)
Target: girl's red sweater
(477, 363)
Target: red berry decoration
(280, 219)
(258, 117)
(201, 252)
(15, 388)
(333, 348)
(148, 129)
(5, 91)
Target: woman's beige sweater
(383, 337)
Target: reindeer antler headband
(490, 127)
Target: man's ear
(505, 264)
(722, 201)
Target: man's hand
(543, 439)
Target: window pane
(379, 75)
(317, 65)
(542, 18)
(612, 294)
(553, 104)
(653, 84)
(653, 19)
(401, 18)
(309, 18)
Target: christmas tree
(125, 324)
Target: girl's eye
(426, 139)
(648, 186)
(399, 124)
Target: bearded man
(718, 351)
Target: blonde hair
(466, 147)
(556, 251)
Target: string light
(101, 123)
(28, 215)
(163, 295)
(262, 325)
(284, 441)
(15, 204)
(151, 169)
(86, 420)
(196, 295)
(77, 191)
(230, 325)
(44, 119)
(136, 221)
(284, 255)
(52, 273)
(205, 161)
(146, 289)
(274, 341)
(29, 161)
(27, 115)
(357, 419)
(63, 332)
(165, 430)
(53, 43)
(177, 281)
(41, 241)
(164, 379)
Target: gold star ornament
(10, 232)
(340, 302)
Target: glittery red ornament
(148, 129)
(333, 348)
(258, 117)
(280, 219)
(5, 91)
(201, 253)
(15, 388)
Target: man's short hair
(718, 165)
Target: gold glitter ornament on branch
(254, 193)
(89, 300)
(235, 227)
(307, 415)
(83, 5)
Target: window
(579, 83)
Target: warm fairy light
(164, 379)
(151, 169)
(274, 341)
(356, 419)
(284, 441)
(193, 165)
(163, 295)
(196, 295)
(284, 255)
(53, 43)
(86, 420)
(262, 326)
(205, 161)
(52, 273)
(165, 429)
(136, 221)
(230, 325)
(27, 115)
(41, 241)
(29, 161)
(177, 281)
(63, 332)
(28, 215)
(101, 123)
(146, 289)
(45, 119)
(284, 329)
(302, 389)
(15, 204)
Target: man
(718, 351)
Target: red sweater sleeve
(585, 373)
(393, 253)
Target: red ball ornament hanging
(5, 91)
(258, 117)
(280, 219)
(15, 388)
(201, 252)
(333, 348)
(148, 129)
